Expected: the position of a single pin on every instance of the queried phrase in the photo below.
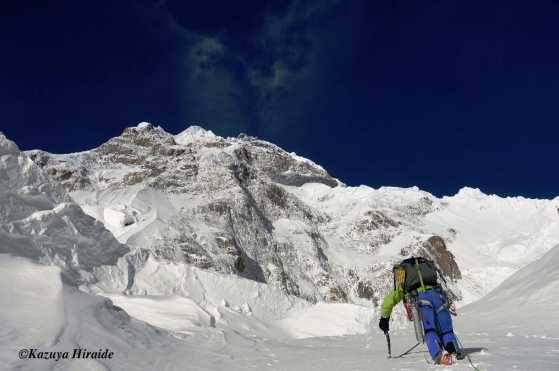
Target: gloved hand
(383, 324)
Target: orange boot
(444, 358)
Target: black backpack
(412, 280)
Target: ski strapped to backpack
(417, 321)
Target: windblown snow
(198, 252)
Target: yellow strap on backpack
(400, 276)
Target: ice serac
(245, 206)
(40, 221)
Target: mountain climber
(415, 281)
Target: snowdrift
(526, 302)
(48, 315)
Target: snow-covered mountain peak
(147, 130)
(195, 160)
(7, 146)
(194, 133)
(144, 125)
(469, 193)
(475, 194)
(148, 126)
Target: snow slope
(527, 302)
(69, 319)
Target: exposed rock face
(436, 249)
(216, 203)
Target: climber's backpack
(407, 273)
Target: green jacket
(394, 297)
(390, 300)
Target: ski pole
(467, 355)
(387, 334)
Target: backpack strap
(423, 288)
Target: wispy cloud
(257, 80)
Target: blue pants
(437, 323)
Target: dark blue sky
(438, 94)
